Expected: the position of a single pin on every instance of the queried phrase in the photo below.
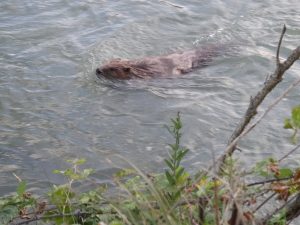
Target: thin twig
(268, 181)
(260, 194)
(279, 44)
(289, 153)
(264, 202)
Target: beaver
(168, 65)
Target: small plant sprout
(293, 123)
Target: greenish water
(53, 108)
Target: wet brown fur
(173, 64)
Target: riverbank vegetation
(223, 194)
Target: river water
(53, 108)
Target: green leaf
(293, 123)
(177, 194)
(173, 122)
(287, 124)
(85, 199)
(87, 172)
(181, 154)
(174, 147)
(57, 171)
(183, 178)
(170, 179)
(179, 172)
(296, 116)
(7, 213)
(72, 175)
(261, 168)
(285, 172)
(21, 188)
(61, 196)
(77, 161)
(169, 164)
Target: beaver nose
(98, 71)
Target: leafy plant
(293, 122)
(270, 168)
(175, 174)
(74, 173)
(19, 204)
(167, 198)
(151, 197)
(62, 196)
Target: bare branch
(269, 85)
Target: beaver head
(115, 69)
(126, 69)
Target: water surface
(53, 108)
